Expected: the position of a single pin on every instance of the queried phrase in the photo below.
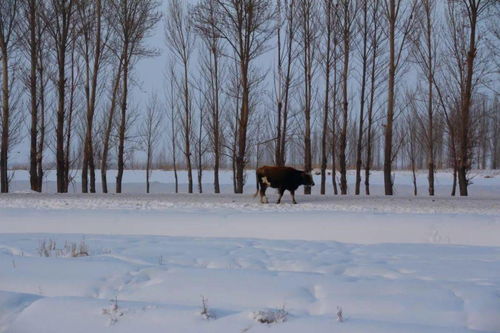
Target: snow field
(159, 282)
(400, 264)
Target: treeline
(333, 84)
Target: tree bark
(464, 157)
(242, 128)
(187, 129)
(33, 50)
(88, 154)
(4, 179)
(345, 103)
(390, 102)
(41, 93)
(369, 144)
(288, 76)
(123, 121)
(109, 126)
(364, 59)
(326, 107)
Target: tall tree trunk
(454, 185)
(33, 49)
(187, 129)
(430, 111)
(234, 145)
(345, 105)
(109, 126)
(176, 177)
(71, 109)
(308, 59)
(217, 143)
(61, 90)
(200, 153)
(362, 98)
(88, 154)
(390, 102)
(123, 122)
(41, 142)
(288, 76)
(414, 176)
(326, 107)
(464, 160)
(242, 128)
(307, 113)
(277, 151)
(148, 167)
(4, 179)
(369, 135)
(334, 119)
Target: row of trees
(333, 84)
(59, 56)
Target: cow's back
(278, 176)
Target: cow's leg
(263, 198)
(281, 191)
(293, 196)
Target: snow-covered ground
(143, 263)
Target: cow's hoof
(295, 202)
(278, 202)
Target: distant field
(484, 182)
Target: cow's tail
(257, 182)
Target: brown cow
(282, 178)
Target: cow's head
(307, 179)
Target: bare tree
(204, 15)
(59, 19)
(425, 54)
(233, 92)
(200, 145)
(180, 40)
(461, 64)
(109, 117)
(74, 83)
(495, 129)
(335, 51)
(149, 134)
(411, 129)
(308, 33)
(8, 22)
(448, 101)
(347, 16)
(399, 15)
(283, 77)
(245, 25)
(474, 11)
(133, 20)
(172, 114)
(363, 25)
(42, 74)
(92, 47)
(328, 6)
(31, 43)
(376, 38)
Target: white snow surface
(393, 264)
